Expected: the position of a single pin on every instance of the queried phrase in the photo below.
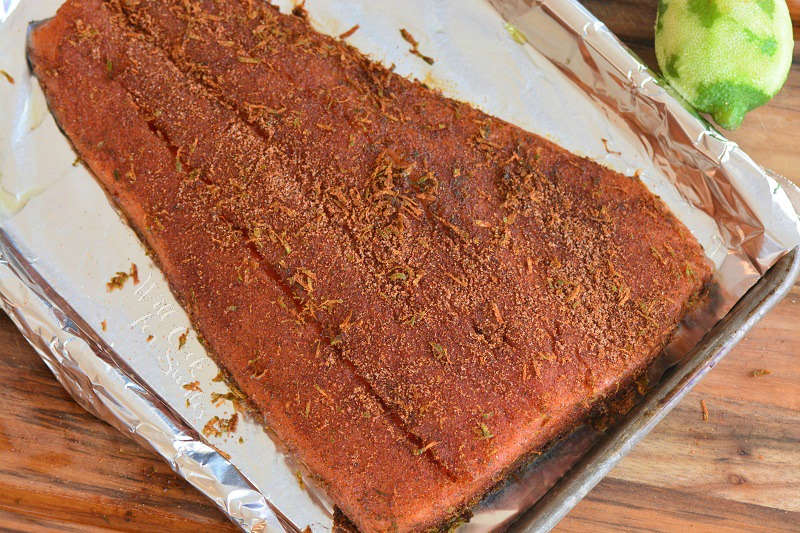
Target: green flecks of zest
(515, 34)
(767, 45)
(439, 352)
(728, 102)
(706, 10)
(671, 68)
(768, 6)
(485, 432)
(662, 8)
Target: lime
(725, 57)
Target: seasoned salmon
(414, 294)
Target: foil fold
(546, 65)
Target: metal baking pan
(600, 459)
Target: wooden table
(62, 469)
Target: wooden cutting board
(62, 469)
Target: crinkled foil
(105, 386)
(547, 66)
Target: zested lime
(725, 57)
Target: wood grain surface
(63, 470)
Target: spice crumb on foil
(414, 46)
(349, 32)
(182, 339)
(193, 385)
(118, 280)
(609, 150)
(218, 397)
(104, 325)
(217, 426)
(134, 273)
(7, 76)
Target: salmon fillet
(414, 294)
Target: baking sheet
(572, 82)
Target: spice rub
(413, 293)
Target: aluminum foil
(547, 66)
